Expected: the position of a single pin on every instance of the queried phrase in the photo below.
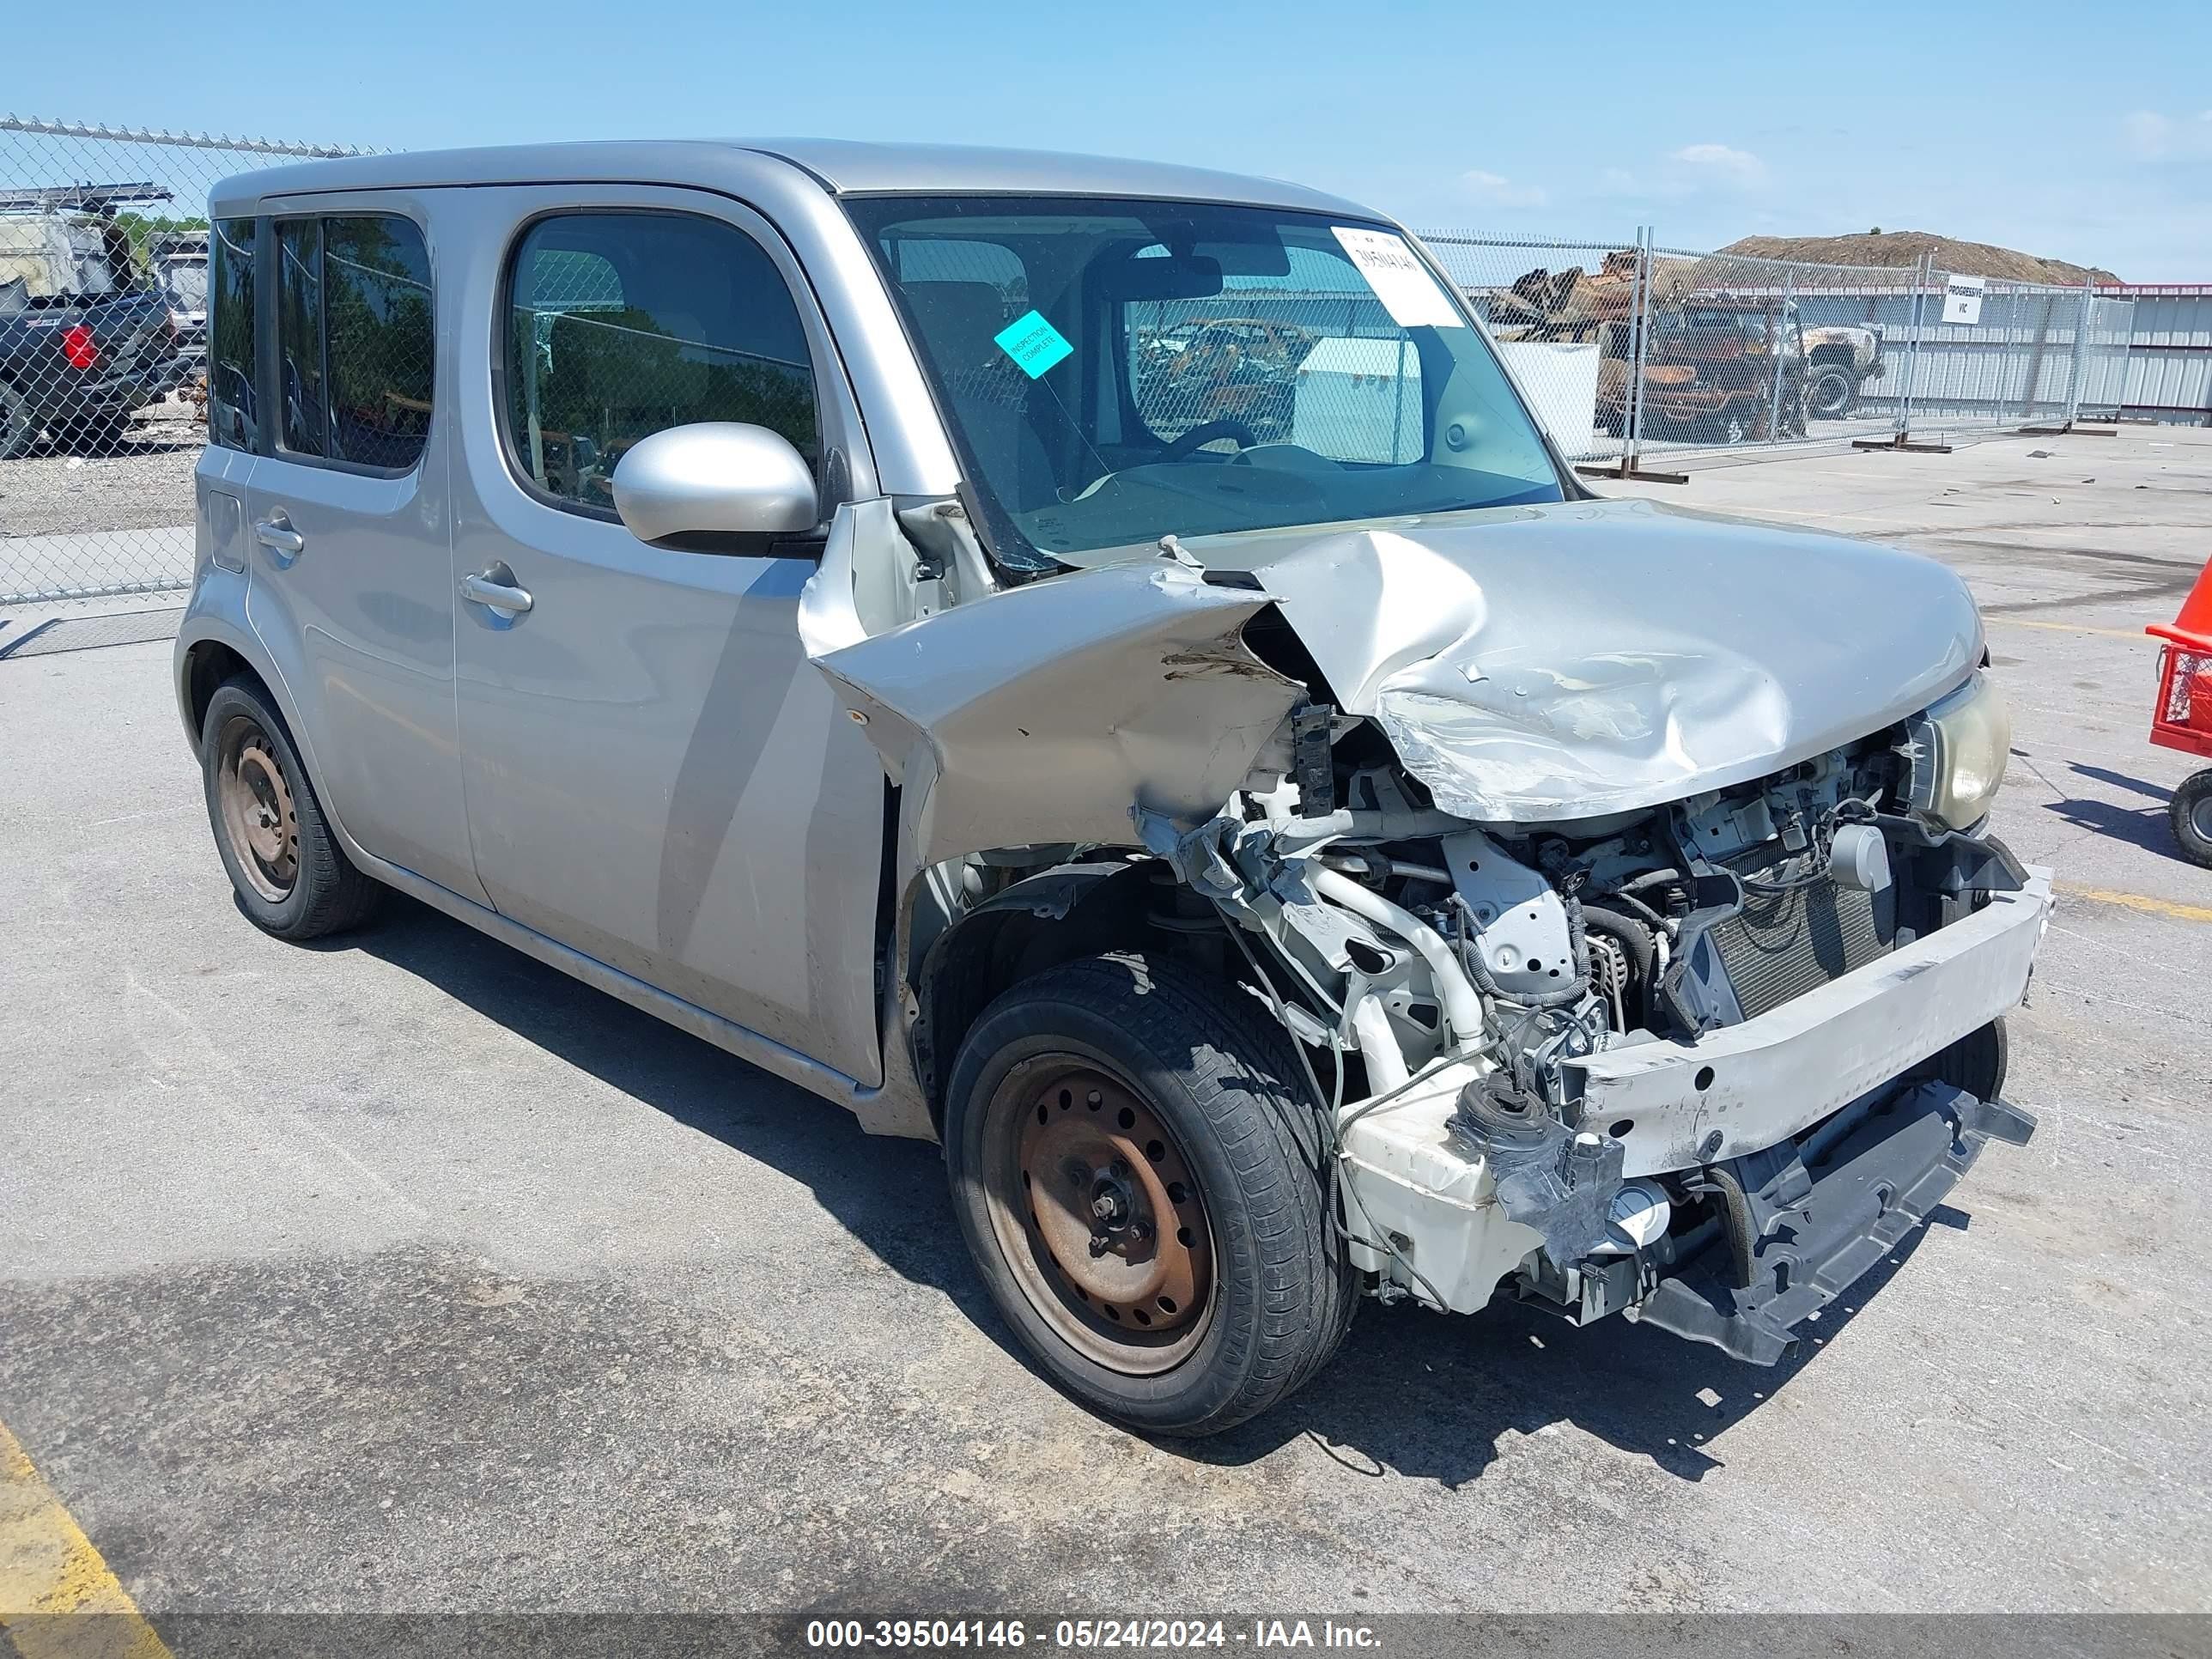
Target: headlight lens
(1958, 750)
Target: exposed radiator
(1786, 944)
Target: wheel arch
(1079, 909)
(204, 666)
(211, 651)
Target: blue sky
(2083, 132)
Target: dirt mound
(1902, 248)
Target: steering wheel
(1205, 433)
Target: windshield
(1117, 371)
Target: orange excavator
(2183, 718)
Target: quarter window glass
(622, 324)
(231, 421)
(300, 333)
(376, 306)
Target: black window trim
(775, 546)
(268, 376)
(278, 449)
(263, 325)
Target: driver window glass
(621, 325)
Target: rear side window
(376, 310)
(354, 339)
(231, 402)
(620, 324)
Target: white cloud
(2157, 138)
(1738, 167)
(1616, 181)
(1495, 190)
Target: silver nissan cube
(1095, 663)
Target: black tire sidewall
(2181, 817)
(1813, 401)
(19, 426)
(235, 701)
(1201, 1393)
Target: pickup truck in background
(84, 338)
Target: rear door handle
(276, 533)
(482, 589)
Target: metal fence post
(1924, 272)
(2081, 361)
(1779, 343)
(1640, 331)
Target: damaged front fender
(1058, 711)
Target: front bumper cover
(1795, 1240)
(1744, 1088)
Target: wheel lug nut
(1120, 1167)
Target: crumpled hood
(1563, 662)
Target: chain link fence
(1635, 350)
(1630, 352)
(104, 269)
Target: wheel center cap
(1111, 1204)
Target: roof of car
(839, 165)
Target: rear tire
(1111, 1095)
(19, 426)
(292, 877)
(2191, 815)
(96, 435)
(1977, 1062)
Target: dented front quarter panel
(1542, 663)
(1056, 711)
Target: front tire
(293, 878)
(1146, 1195)
(1832, 391)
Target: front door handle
(276, 533)
(485, 588)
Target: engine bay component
(1559, 1182)
(1859, 857)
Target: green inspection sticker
(1033, 343)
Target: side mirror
(714, 478)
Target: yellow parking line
(2070, 628)
(2156, 906)
(49, 1569)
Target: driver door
(655, 775)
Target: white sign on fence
(1962, 299)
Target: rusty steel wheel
(257, 813)
(292, 877)
(1099, 1214)
(1141, 1188)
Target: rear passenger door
(656, 775)
(352, 586)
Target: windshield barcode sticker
(1033, 343)
(1400, 280)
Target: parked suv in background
(1279, 870)
(1840, 359)
(1718, 370)
(84, 340)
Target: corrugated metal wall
(2168, 372)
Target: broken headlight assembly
(1957, 752)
